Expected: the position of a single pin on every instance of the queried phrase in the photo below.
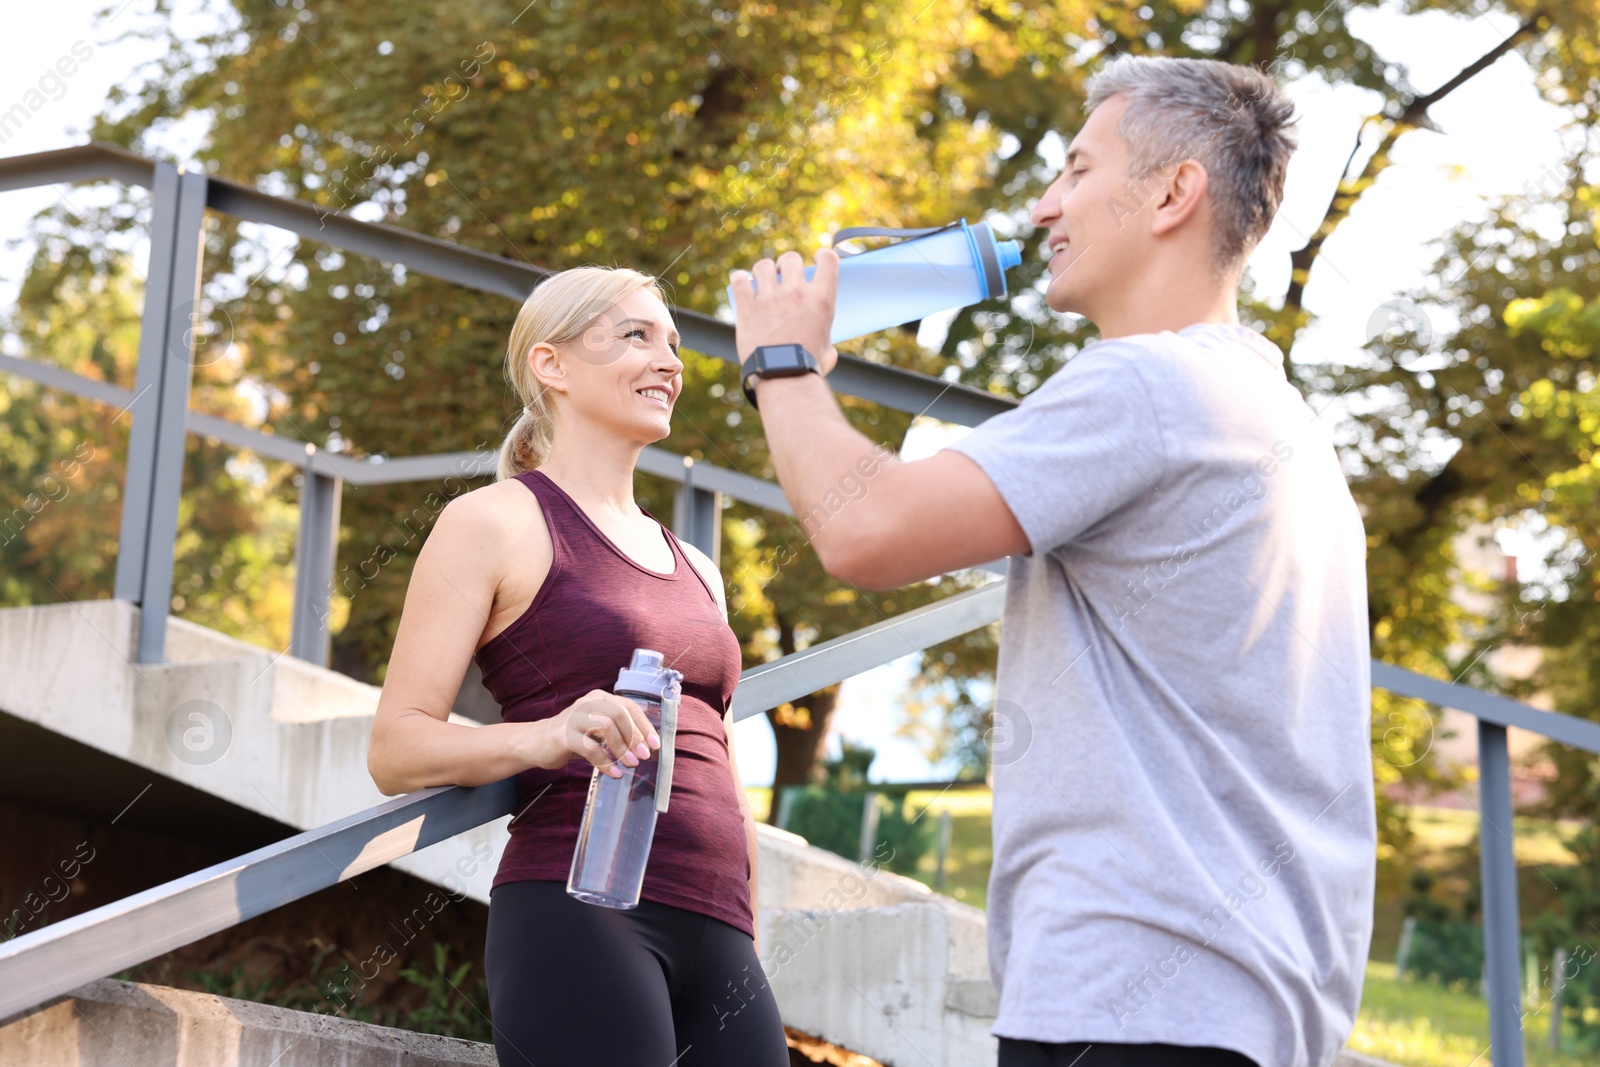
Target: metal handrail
(48, 962)
(1488, 707)
(892, 387)
(161, 396)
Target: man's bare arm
(874, 520)
(877, 521)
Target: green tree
(684, 143)
(1541, 261)
(63, 458)
(693, 138)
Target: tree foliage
(691, 138)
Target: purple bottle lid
(646, 676)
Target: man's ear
(1180, 197)
(548, 366)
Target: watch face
(783, 359)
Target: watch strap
(758, 367)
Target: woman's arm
(478, 540)
(752, 841)
(447, 606)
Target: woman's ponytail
(526, 446)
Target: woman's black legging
(575, 984)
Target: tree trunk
(799, 729)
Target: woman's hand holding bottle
(600, 727)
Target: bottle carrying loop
(669, 737)
(886, 231)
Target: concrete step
(871, 960)
(127, 1024)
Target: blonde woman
(550, 578)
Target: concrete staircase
(264, 731)
(860, 957)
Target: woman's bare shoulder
(504, 513)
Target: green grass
(971, 850)
(1423, 1024)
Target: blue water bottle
(931, 270)
(619, 821)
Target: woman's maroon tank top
(596, 606)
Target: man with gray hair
(1184, 840)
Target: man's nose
(1047, 207)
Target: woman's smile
(657, 394)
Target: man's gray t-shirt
(1184, 837)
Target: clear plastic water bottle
(932, 270)
(619, 820)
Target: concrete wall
(124, 1024)
(871, 960)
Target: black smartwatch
(776, 361)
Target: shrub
(828, 815)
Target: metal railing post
(314, 551)
(785, 801)
(697, 515)
(869, 827)
(146, 402)
(1402, 955)
(160, 407)
(1558, 985)
(946, 826)
(1502, 951)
